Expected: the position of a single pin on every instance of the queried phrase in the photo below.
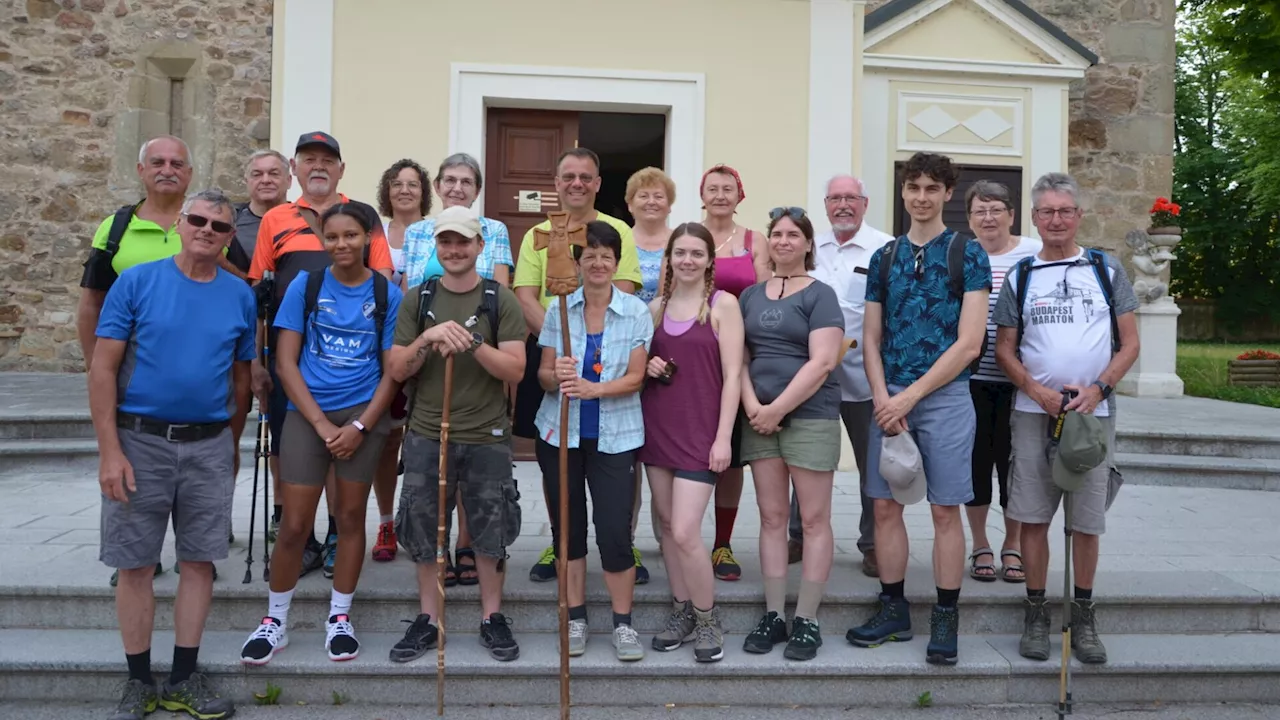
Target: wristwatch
(1105, 388)
(358, 426)
(476, 341)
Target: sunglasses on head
(216, 225)
(794, 212)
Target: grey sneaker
(1084, 634)
(138, 700)
(577, 637)
(1035, 630)
(709, 643)
(679, 630)
(627, 642)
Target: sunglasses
(795, 213)
(216, 225)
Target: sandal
(450, 572)
(1006, 568)
(467, 574)
(976, 568)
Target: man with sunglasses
(923, 330)
(170, 375)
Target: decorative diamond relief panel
(934, 121)
(973, 123)
(987, 125)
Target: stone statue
(1150, 260)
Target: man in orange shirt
(289, 243)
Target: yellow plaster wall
(961, 31)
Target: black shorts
(529, 393)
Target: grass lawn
(1203, 369)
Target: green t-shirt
(143, 241)
(478, 408)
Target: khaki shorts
(1033, 496)
(809, 444)
(305, 460)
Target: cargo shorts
(187, 481)
(482, 473)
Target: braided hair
(700, 231)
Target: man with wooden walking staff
(460, 338)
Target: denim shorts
(943, 425)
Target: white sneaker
(264, 642)
(577, 637)
(340, 638)
(627, 642)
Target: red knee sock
(725, 516)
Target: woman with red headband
(742, 260)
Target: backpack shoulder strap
(489, 306)
(119, 225)
(1098, 260)
(315, 279)
(955, 264)
(426, 296)
(888, 254)
(1023, 268)
(379, 311)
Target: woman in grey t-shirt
(794, 333)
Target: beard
(847, 226)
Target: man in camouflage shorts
(479, 324)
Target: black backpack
(316, 278)
(1097, 260)
(488, 308)
(955, 277)
(119, 224)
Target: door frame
(680, 96)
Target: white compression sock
(386, 518)
(340, 603)
(278, 605)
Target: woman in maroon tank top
(690, 402)
(741, 261)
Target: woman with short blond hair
(650, 194)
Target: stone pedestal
(1155, 373)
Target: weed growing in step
(339, 698)
(925, 700)
(270, 697)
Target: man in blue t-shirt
(922, 330)
(170, 375)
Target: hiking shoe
(891, 623)
(115, 576)
(330, 555)
(708, 645)
(418, 639)
(340, 638)
(725, 564)
(495, 634)
(679, 630)
(1034, 644)
(642, 573)
(944, 626)
(1084, 634)
(312, 557)
(138, 701)
(384, 548)
(197, 698)
(264, 642)
(577, 637)
(805, 640)
(627, 642)
(770, 631)
(545, 569)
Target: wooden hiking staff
(443, 517)
(561, 281)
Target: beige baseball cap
(458, 219)
(902, 468)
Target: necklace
(728, 240)
(784, 278)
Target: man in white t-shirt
(1069, 335)
(842, 258)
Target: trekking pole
(260, 447)
(442, 517)
(1064, 686)
(267, 276)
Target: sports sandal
(1006, 568)
(976, 569)
(467, 573)
(450, 572)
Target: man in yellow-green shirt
(577, 183)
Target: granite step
(76, 665)
(1234, 473)
(21, 456)
(1257, 444)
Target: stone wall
(82, 84)
(1121, 122)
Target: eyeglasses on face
(1046, 214)
(216, 225)
(987, 212)
(845, 199)
(584, 178)
(450, 182)
(795, 213)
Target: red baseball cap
(319, 138)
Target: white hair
(1055, 182)
(862, 189)
(213, 196)
(258, 155)
(142, 152)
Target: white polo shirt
(844, 268)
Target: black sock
(1035, 593)
(578, 612)
(333, 527)
(140, 667)
(621, 619)
(895, 591)
(184, 663)
(276, 512)
(948, 598)
(1084, 593)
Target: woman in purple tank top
(690, 402)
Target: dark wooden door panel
(521, 151)
(955, 214)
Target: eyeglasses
(1049, 213)
(216, 225)
(795, 213)
(584, 178)
(989, 212)
(845, 199)
(451, 182)
(406, 185)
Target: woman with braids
(690, 404)
(404, 196)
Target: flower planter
(1165, 230)
(1254, 373)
